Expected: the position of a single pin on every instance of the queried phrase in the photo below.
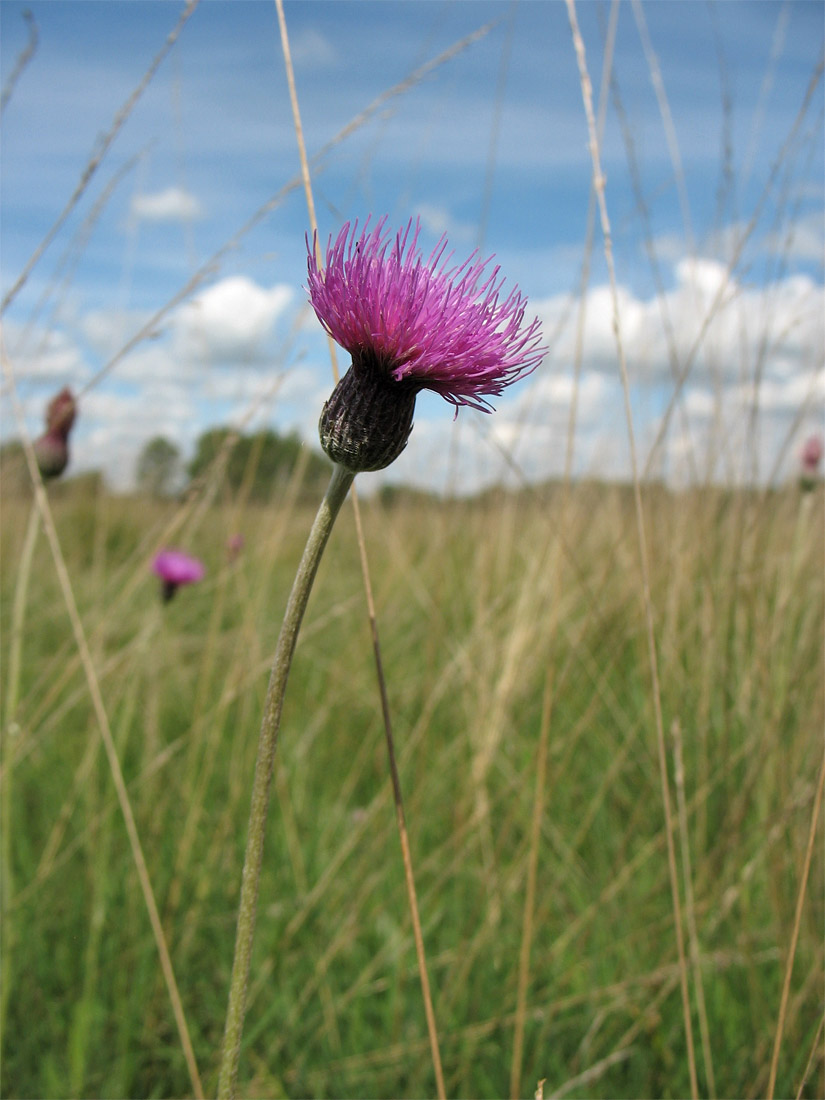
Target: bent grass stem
(264, 765)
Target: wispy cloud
(170, 205)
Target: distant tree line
(158, 467)
(255, 465)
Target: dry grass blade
(667, 120)
(816, 1052)
(25, 56)
(584, 282)
(302, 152)
(593, 1073)
(690, 907)
(409, 879)
(599, 184)
(415, 77)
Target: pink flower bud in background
(234, 545)
(52, 448)
(174, 569)
(810, 458)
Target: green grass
(480, 605)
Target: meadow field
(592, 625)
(514, 646)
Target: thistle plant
(409, 325)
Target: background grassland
(495, 614)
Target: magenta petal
(448, 328)
(175, 567)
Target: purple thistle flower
(411, 325)
(176, 568)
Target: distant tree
(158, 466)
(258, 463)
(207, 448)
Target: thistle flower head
(411, 324)
(174, 569)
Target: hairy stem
(296, 605)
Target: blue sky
(717, 227)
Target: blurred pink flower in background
(176, 568)
(234, 545)
(810, 458)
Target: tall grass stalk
(409, 878)
(690, 907)
(267, 744)
(599, 184)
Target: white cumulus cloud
(231, 320)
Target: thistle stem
(296, 605)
